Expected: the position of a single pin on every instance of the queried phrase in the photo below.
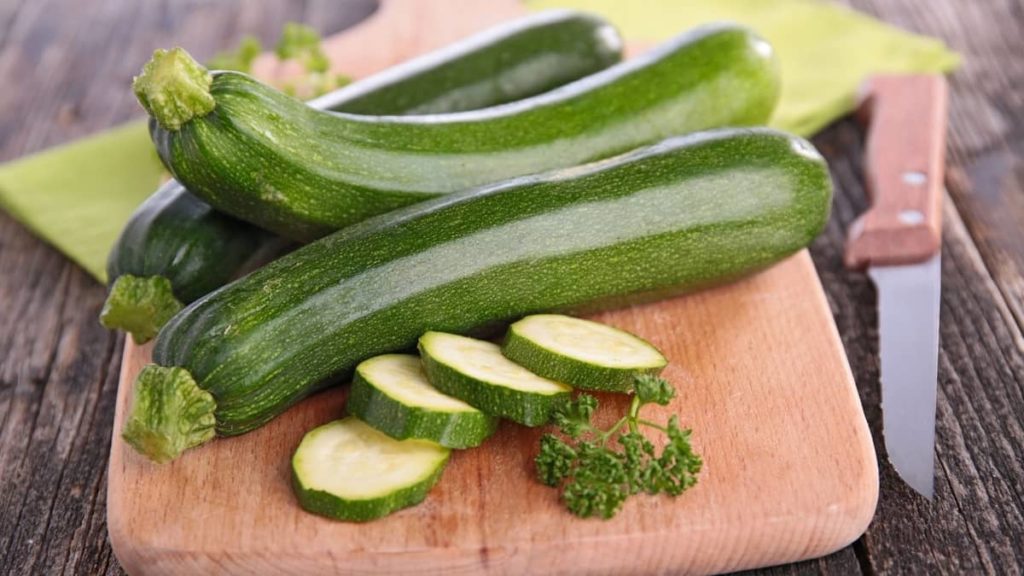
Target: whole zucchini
(515, 60)
(685, 213)
(176, 248)
(267, 158)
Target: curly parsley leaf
(653, 390)
(573, 417)
(597, 469)
(240, 59)
(299, 43)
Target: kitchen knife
(899, 239)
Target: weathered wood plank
(975, 521)
(58, 367)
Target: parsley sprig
(298, 42)
(598, 469)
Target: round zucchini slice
(392, 394)
(476, 372)
(348, 470)
(581, 353)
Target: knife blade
(898, 239)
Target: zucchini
(475, 371)
(686, 213)
(347, 470)
(581, 353)
(515, 60)
(176, 248)
(392, 394)
(265, 157)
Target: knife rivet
(911, 217)
(914, 178)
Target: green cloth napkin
(79, 196)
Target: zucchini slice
(475, 371)
(392, 394)
(581, 353)
(347, 470)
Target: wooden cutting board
(790, 470)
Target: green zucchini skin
(268, 159)
(686, 213)
(177, 236)
(508, 62)
(330, 506)
(456, 429)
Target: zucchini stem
(169, 414)
(139, 306)
(174, 88)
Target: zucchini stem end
(139, 306)
(174, 88)
(169, 414)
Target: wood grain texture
(71, 62)
(764, 417)
(973, 525)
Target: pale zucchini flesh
(475, 371)
(581, 353)
(391, 393)
(348, 470)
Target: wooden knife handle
(904, 166)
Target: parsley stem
(604, 436)
(634, 413)
(654, 425)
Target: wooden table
(64, 65)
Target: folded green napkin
(78, 196)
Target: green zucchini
(176, 248)
(508, 62)
(347, 470)
(256, 153)
(475, 371)
(581, 353)
(686, 213)
(392, 394)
